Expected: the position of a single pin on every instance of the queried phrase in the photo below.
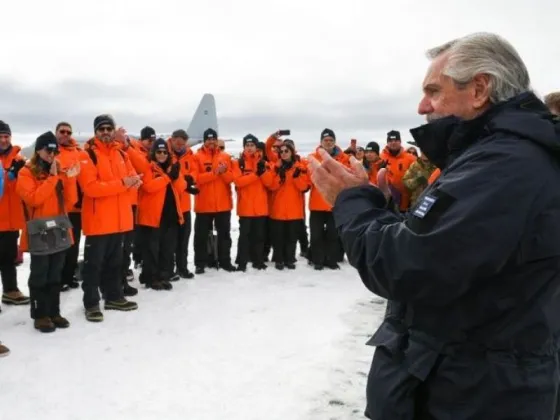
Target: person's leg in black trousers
(223, 226)
(332, 243)
(202, 227)
(257, 241)
(69, 278)
(317, 221)
(291, 230)
(182, 247)
(11, 294)
(278, 238)
(167, 245)
(244, 242)
(127, 274)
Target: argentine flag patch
(424, 207)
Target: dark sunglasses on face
(51, 151)
(284, 151)
(161, 152)
(67, 132)
(105, 128)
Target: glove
(208, 169)
(14, 169)
(189, 180)
(261, 167)
(297, 172)
(173, 172)
(192, 189)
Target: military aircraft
(204, 117)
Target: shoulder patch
(424, 206)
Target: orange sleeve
(302, 182)
(94, 188)
(30, 193)
(152, 184)
(180, 184)
(270, 154)
(70, 186)
(193, 169)
(240, 180)
(227, 176)
(138, 160)
(267, 178)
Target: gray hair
(489, 54)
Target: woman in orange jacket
(159, 216)
(289, 183)
(46, 191)
(251, 179)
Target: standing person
(325, 249)
(372, 162)
(251, 179)
(213, 204)
(480, 333)
(160, 216)
(46, 191)
(11, 218)
(288, 186)
(69, 155)
(105, 180)
(182, 153)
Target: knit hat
(249, 138)
(46, 141)
(180, 133)
(104, 119)
(372, 146)
(159, 144)
(5, 128)
(210, 134)
(393, 135)
(327, 132)
(147, 133)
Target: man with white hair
(473, 273)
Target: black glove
(297, 172)
(174, 171)
(261, 167)
(208, 169)
(189, 179)
(192, 189)
(15, 167)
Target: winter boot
(185, 274)
(53, 291)
(120, 305)
(93, 314)
(44, 324)
(15, 298)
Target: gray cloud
(32, 111)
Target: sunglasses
(106, 128)
(67, 132)
(51, 151)
(284, 151)
(161, 152)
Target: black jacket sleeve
(464, 229)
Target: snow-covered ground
(241, 346)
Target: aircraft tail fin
(204, 117)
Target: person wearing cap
(160, 216)
(324, 240)
(252, 178)
(213, 204)
(372, 161)
(106, 178)
(11, 218)
(39, 184)
(69, 156)
(182, 153)
(398, 161)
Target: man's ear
(480, 91)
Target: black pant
(302, 237)
(44, 284)
(103, 256)
(183, 237)
(324, 238)
(128, 245)
(202, 226)
(252, 234)
(71, 259)
(267, 239)
(284, 234)
(8, 256)
(158, 247)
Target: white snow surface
(284, 345)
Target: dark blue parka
(473, 272)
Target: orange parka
(188, 168)
(252, 189)
(396, 168)
(107, 202)
(38, 192)
(11, 209)
(215, 189)
(152, 194)
(316, 200)
(70, 155)
(288, 193)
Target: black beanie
(327, 132)
(372, 147)
(249, 138)
(5, 128)
(46, 141)
(104, 119)
(147, 133)
(209, 134)
(159, 144)
(261, 146)
(393, 135)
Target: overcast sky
(355, 66)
